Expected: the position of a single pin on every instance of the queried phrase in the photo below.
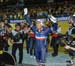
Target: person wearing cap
(40, 39)
(17, 37)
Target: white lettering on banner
(17, 21)
(62, 18)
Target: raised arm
(54, 23)
(47, 31)
(28, 19)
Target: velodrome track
(60, 60)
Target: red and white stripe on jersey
(40, 38)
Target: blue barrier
(16, 21)
(59, 18)
(63, 18)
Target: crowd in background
(60, 9)
(24, 31)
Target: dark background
(29, 2)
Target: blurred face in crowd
(38, 25)
(8, 29)
(2, 24)
(22, 24)
(17, 28)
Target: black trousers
(1, 46)
(55, 45)
(32, 46)
(14, 48)
(27, 45)
(5, 46)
